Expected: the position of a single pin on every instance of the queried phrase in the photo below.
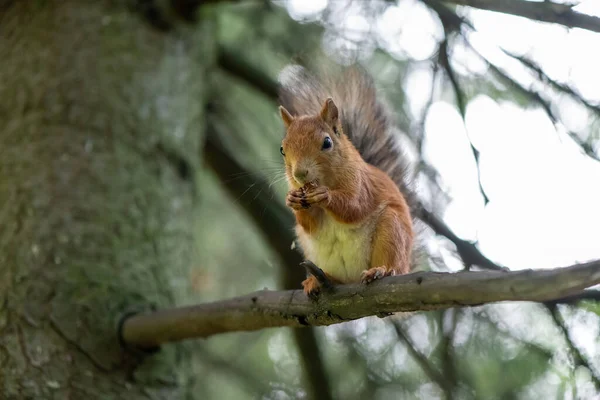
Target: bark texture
(100, 133)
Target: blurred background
(500, 121)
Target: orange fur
(349, 200)
(312, 286)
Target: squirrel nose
(300, 175)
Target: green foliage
(591, 306)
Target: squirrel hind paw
(373, 274)
(311, 286)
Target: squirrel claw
(316, 195)
(372, 274)
(295, 200)
(312, 288)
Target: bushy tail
(365, 118)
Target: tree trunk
(101, 120)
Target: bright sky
(544, 208)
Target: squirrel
(346, 177)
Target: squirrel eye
(281, 151)
(327, 143)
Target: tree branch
(252, 75)
(536, 97)
(561, 87)
(546, 11)
(467, 251)
(453, 21)
(271, 216)
(187, 9)
(411, 292)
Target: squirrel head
(314, 147)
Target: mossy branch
(418, 291)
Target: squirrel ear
(329, 112)
(286, 116)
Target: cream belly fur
(341, 250)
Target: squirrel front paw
(306, 196)
(317, 195)
(295, 200)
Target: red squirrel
(345, 176)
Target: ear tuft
(329, 112)
(286, 116)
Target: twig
(317, 376)
(534, 67)
(531, 65)
(424, 363)
(452, 21)
(546, 11)
(245, 376)
(372, 375)
(421, 125)
(412, 292)
(460, 101)
(537, 98)
(467, 251)
(262, 209)
(446, 345)
(578, 356)
(485, 318)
